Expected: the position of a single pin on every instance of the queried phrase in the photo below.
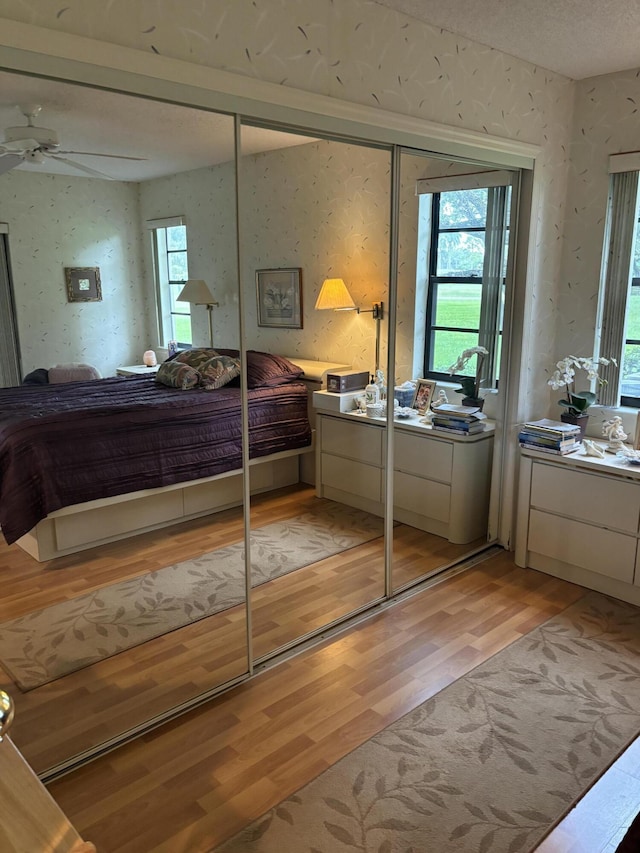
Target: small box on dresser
(340, 381)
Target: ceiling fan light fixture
(35, 157)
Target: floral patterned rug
(52, 642)
(492, 762)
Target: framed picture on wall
(83, 284)
(424, 394)
(280, 298)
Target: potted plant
(470, 384)
(576, 403)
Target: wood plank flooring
(188, 786)
(99, 702)
(197, 780)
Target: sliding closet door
(452, 280)
(313, 211)
(98, 643)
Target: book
(468, 413)
(470, 429)
(543, 438)
(546, 425)
(442, 419)
(457, 429)
(558, 451)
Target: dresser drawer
(424, 456)
(578, 544)
(603, 501)
(355, 478)
(360, 441)
(424, 497)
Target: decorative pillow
(175, 374)
(265, 370)
(196, 357)
(218, 371)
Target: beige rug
(49, 643)
(491, 763)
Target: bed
(88, 462)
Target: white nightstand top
(316, 369)
(137, 370)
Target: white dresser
(441, 482)
(579, 519)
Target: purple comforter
(66, 444)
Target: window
(619, 320)
(171, 272)
(467, 259)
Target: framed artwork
(279, 298)
(83, 284)
(424, 394)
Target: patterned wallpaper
(206, 198)
(359, 51)
(323, 207)
(57, 222)
(606, 122)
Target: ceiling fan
(31, 144)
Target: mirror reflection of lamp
(196, 292)
(335, 296)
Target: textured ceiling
(577, 38)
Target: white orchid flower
(464, 358)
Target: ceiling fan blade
(18, 146)
(81, 168)
(9, 161)
(98, 154)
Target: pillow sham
(176, 374)
(218, 371)
(265, 370)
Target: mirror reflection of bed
(316, 205)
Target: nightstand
(137, 370)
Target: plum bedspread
(66, 444)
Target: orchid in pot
(577, 403)
(470, 384)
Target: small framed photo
(424, 394)
(280, 298)
(83, 284)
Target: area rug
(488, 765)
(68, 636)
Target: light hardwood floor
(192, 783)
(97, 703)
(186, 787)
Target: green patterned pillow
(217, 371)
(175, 374)
(196, 357)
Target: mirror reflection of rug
(488, 765)
(46, 644)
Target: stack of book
(550, 436)
(463, 420)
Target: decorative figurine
(440, 400)
(615, 435)
(592, 449)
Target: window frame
(164, 284)
(498, 192)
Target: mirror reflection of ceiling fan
(31, 144)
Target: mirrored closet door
(314, 239)
(453, 243)
(101, 630)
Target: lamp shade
(196, 291)
(334, 295)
